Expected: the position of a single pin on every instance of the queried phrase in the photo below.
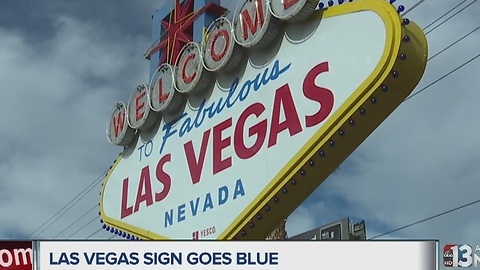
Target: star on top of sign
(179, 29)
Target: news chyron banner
(278, 255)
(16, 255)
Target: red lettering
(218, 56)
(259, 19)
(219, 144)
(163, 178)
(283, 98)
(259, 129)
(125, 211)
(139, 106)
(118, 123)
(161, 96)
(195, 166)
(319, 94)
(188, 79)
(144, 191)
(289, 3)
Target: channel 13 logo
(460, 256)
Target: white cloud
(300, 221)
(423, 159)
(52, 117)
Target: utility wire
(68, 206)
(64, 178)
(423, 89)
(79, 196)
(443, 77)
(414, 7)
(445, 14)
(453, 70)
(92, 234)
(447, 19)
(75, 222)
(455, 42)
(81, 228)
(427, 219)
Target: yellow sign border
(246, 226)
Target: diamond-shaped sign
(237, 158)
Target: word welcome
(171, 79)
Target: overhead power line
(427, 219)
(67, 207)
(92, 234)
(451, 71)
(445, 14)
(428, 86)
(63, 179)
(453, 43)
(444, 76)
(75, 222)
(81, 228)
(447, 19)
(414, 7)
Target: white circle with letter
(118, 131)
(219, 46)
(292, 9)
(251, 22)
(161, 88)
(189, 68)
(138, 109)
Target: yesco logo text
(460, 256)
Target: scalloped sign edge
(378, 96)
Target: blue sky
(63, 65)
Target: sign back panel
(241, 157)
(338, 230)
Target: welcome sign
(228, 139)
